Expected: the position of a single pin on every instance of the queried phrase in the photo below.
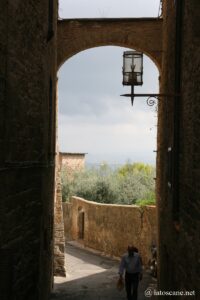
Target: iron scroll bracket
(151, 98)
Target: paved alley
(92, 277)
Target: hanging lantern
(133, 76)
(132, 68)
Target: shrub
(148, 200)
(126, 185)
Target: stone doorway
(81, 224)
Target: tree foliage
(129, 184)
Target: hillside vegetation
(133, 183)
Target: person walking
(131, 263)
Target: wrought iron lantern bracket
(133, 76)
(152, 99)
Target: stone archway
(142, 34)
(76, 35)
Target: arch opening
(97, 92)
(82, 105)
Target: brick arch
(142, 34)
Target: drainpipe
(177, 105)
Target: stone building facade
(72, 162)
(28, 31)
(30, 50)
(178, 159)
(111, 228)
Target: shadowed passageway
(91, 276)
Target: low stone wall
(110, 228)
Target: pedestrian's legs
(128, 284)
(135, 283)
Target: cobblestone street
(91, 276)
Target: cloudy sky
(93, 118)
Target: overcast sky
(93, 118)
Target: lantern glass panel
(132, 68)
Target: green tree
(127, 185)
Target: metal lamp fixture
(132, 70)
(133, 75)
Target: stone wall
(72, 162)
(110, 228)
(179, 127)
(142, 34)
(59, 238)
(27, 147)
